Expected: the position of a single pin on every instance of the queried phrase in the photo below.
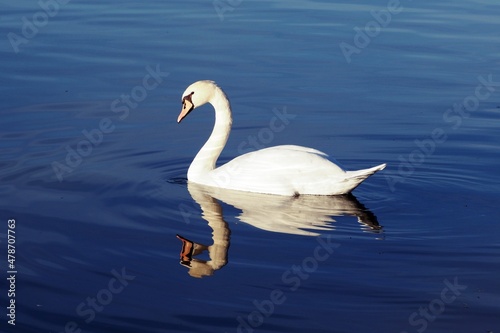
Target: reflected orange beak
(187, 250)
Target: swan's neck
(205, 160)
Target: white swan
(282, 170)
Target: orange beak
(187, 106)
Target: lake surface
(93, 166)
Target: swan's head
(196, 95)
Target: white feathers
(283, 170)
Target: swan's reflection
(302, 215)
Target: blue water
(93, 166)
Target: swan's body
(282, 170)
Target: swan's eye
(187, 103)
(187, 98)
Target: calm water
(93, 166)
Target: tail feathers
(354, 178)
(365, 173)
